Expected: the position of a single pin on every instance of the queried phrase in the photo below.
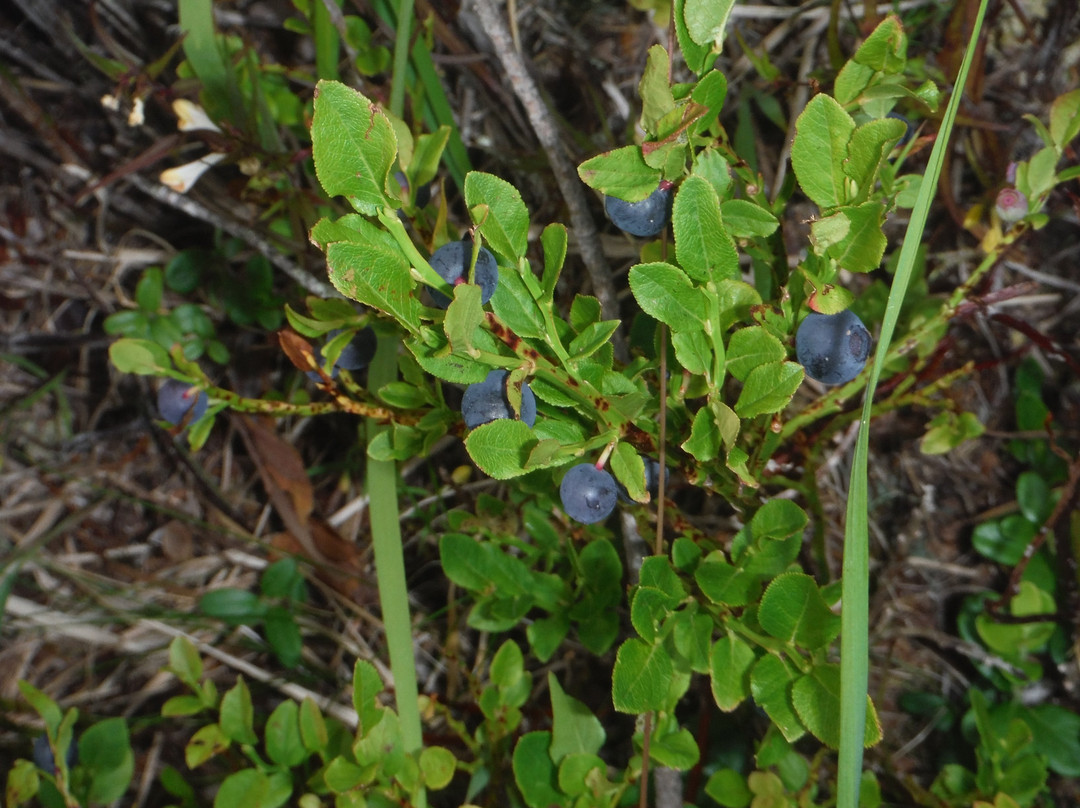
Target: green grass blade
(401, 57)
(854, 636)
(382, 479)
(204, 54)
(327, 42)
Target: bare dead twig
(546, 132)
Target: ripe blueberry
(588, 494)
(46, 761)
(645, 218)
(486, 401)
(909, 133)
(358, 354)
(451, 262)
(175, 399)
(832, 347)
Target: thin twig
(566, 176)
(249, 236)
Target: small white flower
(110, 102)
(182, 178)
(191, 117)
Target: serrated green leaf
(819, 151)
(641, 677)
(622, 173)
(778, 519)
(730, 662)
(704, 440)
(654, 89)
(699, 58)
(553, 240)
(793, 610)
(768, 388)
(506, 226)
(702, 246)
(629, 469)
(464, 317)
(770, 684)
(885, 50)
(515, 306)
(752, 347)
(744, 219)
(353, 146)
(675, 750)
(867, 149)
(706, 20)
(724, 584)
(378, 275)
(481, 567)
(693, 350)
(816, 697)
(852, 236)
(665, 293)
(501, 448)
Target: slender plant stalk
(854, 635)
(401, 57)
(327, 42)
(390, 563)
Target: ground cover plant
(636, 589)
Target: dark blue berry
(652, 480)
(176, 399)
(487, 401)
(588, 494)
(46, 761)
(358, 354)
(908, 133)
(451, 263)
(832, 348)
(645, 218)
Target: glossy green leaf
(768, 388)
(819, 151)
(665, 293)
(702, 246)
(353, 146)
(730, 662)
(515, 306)
(793, 610)
(504, 220)
(641, 677)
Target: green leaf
(730, 662)
(675, 750)
(237, 606)
(770, 683)
(752, 347)
(377, 274)
(1056, 733)
(206, 743)
(778, 519)
(243, 789)
(353, 146)
(819, 151)
(481, 567)
(139, 356)
(507, 666)
(238, 715)
(105, 754)
(149, 289)
(768, 388)
(711, 166)
(553, 240)
(1065, 119)
(702, 245)
(535, 773)
(437, 765)
(622, 173)
(654, 89)
(870, 144)
(313, 730)
(515, 306)
(629, 469)
(499, 213)
(1004, 541)
(816, 696)
(793, 610)
(22, 783)
(704, 440)
(284, 744)
(575, 773)
(744, 219)
(724, 584)
(706, 20)
(665, 293)
(464, 316)
(501, 448)
(641, 677)
(185, 662)
(948, 430)
(852, 236)
(693, 350)
(728, 788)
(649, 609)
(283, 635)
(1033, 497)
(699, 58)
(574, 729)
(1014, 640)
(366, 689)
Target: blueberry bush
(729, 367)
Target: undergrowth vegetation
(650, 602)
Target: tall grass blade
(854, 636)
